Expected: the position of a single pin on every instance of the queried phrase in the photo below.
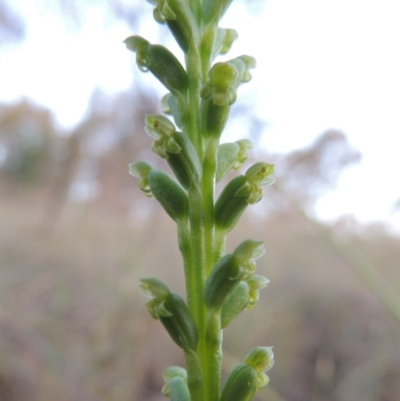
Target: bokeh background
(77, 234)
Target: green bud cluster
(187, 137)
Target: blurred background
(77, 234)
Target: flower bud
(141, 170)
(169, 193)
(181, 325)
(261, 359)
(172, 311)
(229, 271)
(179, 390)
(250, 376)
(160, 61)
(241, 384)
(176, 386)
(224, 277)
(240, 192)
(219, 92)
(229, 206)
(221, 84)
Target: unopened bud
(169, 193)
(241, 384)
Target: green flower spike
(176, 386)
(187, 136)
(230, 270)
(172, 311)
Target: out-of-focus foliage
(26, 133)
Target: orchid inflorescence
(219, 285)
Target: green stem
(212, 377)
(213, 356)
(195, 289)
(201, 205)
(195, 381)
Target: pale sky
(320, 64)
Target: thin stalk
(201, 204)
(213, 335)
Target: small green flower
(172, 311)
(141, 170)
(230, 270)
(160, 61)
